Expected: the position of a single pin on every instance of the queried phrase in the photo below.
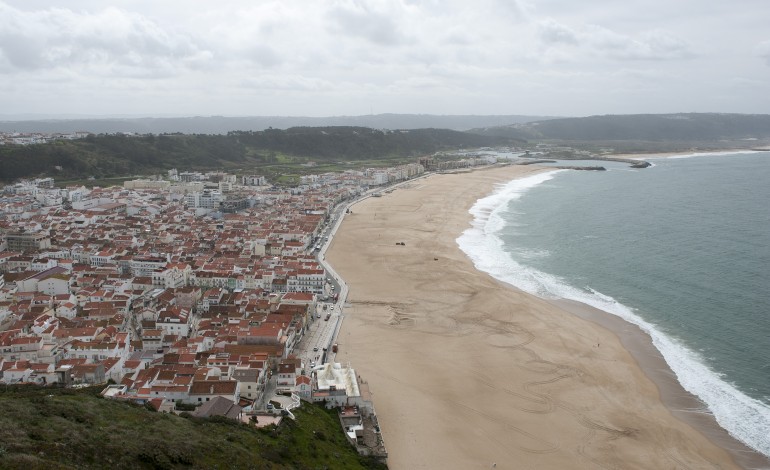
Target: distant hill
(44, 428)
(223, 125)
(120, 155)
(640, 127)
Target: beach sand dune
(467, 372)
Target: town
(32, 138)
(201, 292)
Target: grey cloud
(360, 19)
(56, 37)
(265, 56)
(517, 9)
(654, 45)
(287, 83)
(551, 32)
(763, 51)
(458, 38)
(321, 55)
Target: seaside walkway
(339, 213)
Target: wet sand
(467, 372)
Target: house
(162, 405)
(219, 406)
(152, 340)
(174, 321)
(336, 385)
(188, 297)
(202, 391)
(251, 380)
(25, 348)
(96, 351)
(174, 392)
(64, 335)
(52, 281)
(288, 369)
(88, 373)
(66, 310)
(303, 387)
(172, 276)
(17, 372)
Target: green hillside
(43, 428)
(685, 127)
(118, 155)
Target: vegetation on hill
(690, 127)
(118, 155)
(276, 152)
(45, 428)
(224, 124)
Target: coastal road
(323, 336)
(320, 335)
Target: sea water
(681, 249)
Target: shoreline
(684, 405)
(399, 319)
(684, 154)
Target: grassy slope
(58, 429)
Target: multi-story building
(26, 242)
(206, 199)
(254, 180)
(145, 266)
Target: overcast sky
(354, 57)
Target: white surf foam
(709, 154)
(744, 417)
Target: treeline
(224, 124)
(642, 127)
(361, 143)
(121, 155)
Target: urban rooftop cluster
(189, 291)
(102, 283)
(32, 138)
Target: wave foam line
(710, 154)
(745, 418)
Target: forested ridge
(118, 154)
(703, 127)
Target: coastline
(683, 405)
(684, 154)
(485, 373)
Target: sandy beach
(467, 372)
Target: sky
(357, 57)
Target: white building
(335, 384)
(174, 321)
(206, 199)
(145, 266)
(254, 180)
(172, 277)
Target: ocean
(681, 249)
